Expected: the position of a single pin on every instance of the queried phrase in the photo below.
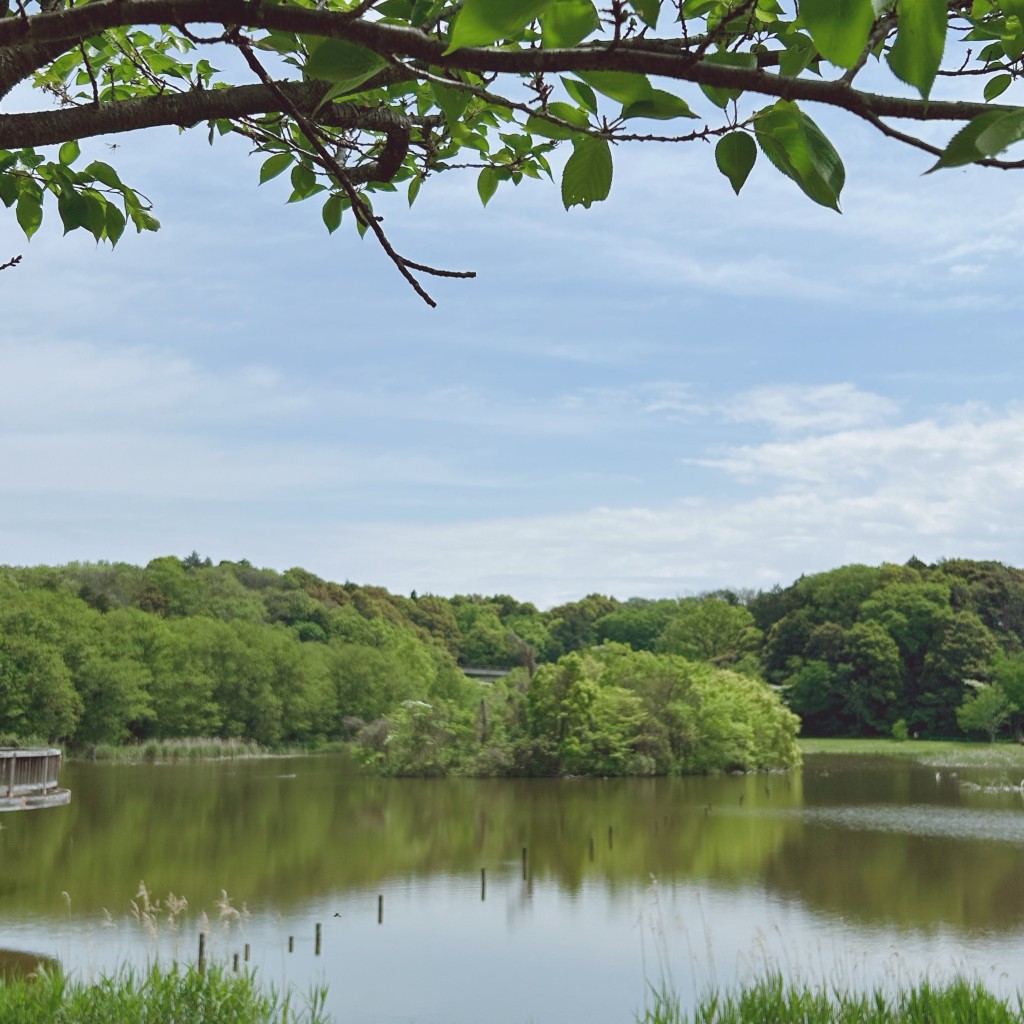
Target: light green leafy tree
(986, 710)
(348, 99)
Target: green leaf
(563, 111)
(346, 65)
(799, 149)
(487, 184)
(963, 147)
(452, 101)
(95, 219)
(414, 188)
(587, 177)
(69, 152)
(581, 93)
(482, 22)
(331, 212)
(568, 22)
(648, 10)
(920, 40)
(661, 106)
(839, 28)
(104, 174)
(723, 97)
(735, 155)
(115, 223)
(622, 86)
(71, 208)
(274, 166)
(997, 86)
(29, 211)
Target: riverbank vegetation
(102, 655)
(156, 996)
(772, 998)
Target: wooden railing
(30, 773)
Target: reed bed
(209, 748)
(772, 1000)
(157, 996)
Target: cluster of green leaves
(93, 198)
(496, 85)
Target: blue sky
(674, 391)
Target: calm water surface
(863, 872)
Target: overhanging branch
(70, 25)
(51, 127)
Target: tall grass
(157, 996)
(206, 748)
(771, 1000)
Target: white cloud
(810, 407)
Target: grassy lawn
(934, 753)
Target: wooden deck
(28, 779)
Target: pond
(864, 872)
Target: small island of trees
(108, 654)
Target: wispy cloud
(811, 407)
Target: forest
(109, 653)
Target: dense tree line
(108, 653)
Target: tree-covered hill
(95, 653)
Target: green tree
(709, 629)
(986, 710)
(870, 676)
(410, 89)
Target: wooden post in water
(609, 837)
(317, 942)
(483, 884)
(591, 847)
(202, 952)
(524, 862)
(234, 963)
(247, 952)
(291, 943)
(380, 909)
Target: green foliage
(357, 100)
(986, 710)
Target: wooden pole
(483, 884)
(317, 942)
(291, 943)
(609, 837)
(591, 847)
(202, 952)
(247, 952)
(380, 909)
(234, 963)
(524, 862)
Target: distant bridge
(487, 675)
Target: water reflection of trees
(276, 834)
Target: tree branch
(50, 127)
(70, 25)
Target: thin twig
(360, 207)
(12, 262)
(92, 77)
